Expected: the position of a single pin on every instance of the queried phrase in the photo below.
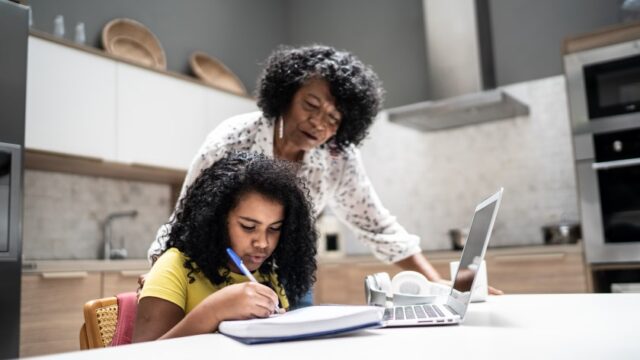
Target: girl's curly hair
(200, 230)
(356, 88)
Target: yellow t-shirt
(168, 280)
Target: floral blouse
(339, 181)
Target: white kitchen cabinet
(221, 105)
(85, 103)
(160, 119)
(71, 101)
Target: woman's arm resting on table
(417, 262)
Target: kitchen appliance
(561, 233)
(603, 79)
(458, 237)
(14, 27)
(603, 89)
(460, 69)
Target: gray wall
(528, 35)
(240, 33)
(388, 35)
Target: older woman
(317, 104)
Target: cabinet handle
(65, 275)
(529, 257)
(132, 273)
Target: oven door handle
(615, 164)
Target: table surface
(509, 326)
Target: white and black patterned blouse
(338, 181)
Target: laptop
(452, 310)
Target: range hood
(460, 70)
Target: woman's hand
(242, 301)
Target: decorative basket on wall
(131, 40)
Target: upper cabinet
(222, 105)
(71, 101)
(89, 104)
(161, 119)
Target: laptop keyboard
(411, 312)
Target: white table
(505, 327)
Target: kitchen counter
(436, 255)
(47, 266)
(36, 266)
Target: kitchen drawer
(51, 310)
(548, 272)
(344, 283)
(114, 283)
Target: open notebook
(312, 321)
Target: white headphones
(406, 288)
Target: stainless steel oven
(608, 172)
(603, 92)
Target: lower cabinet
(342, 283)
(114, 283)
(51, 306)
(556, 272)
(51, 310)
(525, 270)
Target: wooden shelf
(607, 36)
(49, 161)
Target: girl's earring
(281, 128)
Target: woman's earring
(281, 128)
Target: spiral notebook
(308, 322)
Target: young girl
(257, 207)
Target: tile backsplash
(64, 213)
(432, 181)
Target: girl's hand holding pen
(240, 265)
(243, 301)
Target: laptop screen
(473, 253)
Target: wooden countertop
(435, 255)
(47, 266)
(40, 266)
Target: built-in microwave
(603, 87)
(612, 87)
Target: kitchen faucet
(109, 252)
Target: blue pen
(240, 265)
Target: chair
(102, 327)
(100, 319)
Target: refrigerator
(14, 29)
